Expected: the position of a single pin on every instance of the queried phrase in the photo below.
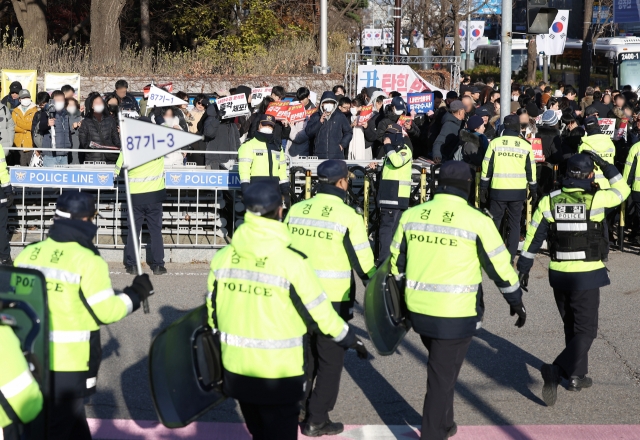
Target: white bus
(489, 54)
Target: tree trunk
(532, 60)
(588, 15)
(456, 31)
(105, 31)
(31, 17)
(145, 37)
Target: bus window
(630, 73)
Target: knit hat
(474, 122)
(549, 118)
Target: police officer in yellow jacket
(6, 201)
(599, 143)
(508, 167)
(439, 249)
(81, 299)
(334, 238)
(632, 177)
(262, 159)
(147, 187)
(570, 220)
(263, 300)
(20, 396)
(395, 186)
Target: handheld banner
(297, 113)
(161, 98)
(233, 106)
(28, 79)
(278, 110)
(536, 145)
(420, 102)
(607, 126)
(55, 81)
(258, 94)
(366, 113)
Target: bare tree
(31, 17)
(105, 31)
(532, 59)
(145, 38)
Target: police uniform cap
(262, 197)
(267, 120)
(579, 166)
(332, 170)
(512, 122)
(75, 205)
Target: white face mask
(514, 98)
(72, 109)
(99, 108)
(328, 107)
(58, 105)
(266, 130)
(25, 102)
(398, 112)
(354, 111)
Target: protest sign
(420, 102)
(233, 106)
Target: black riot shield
(23, 295)
(384, 312)
(185, 370)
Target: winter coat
(298, 142)
(129, 102)
(7, 128)
(10, 103)
(602, 109)
(62, 133)
(103, 132)
(586, 102)
(446, 143)
(551, 143)
(570, 141)
(196, 115)
(333, 133)
(220, 135)
(474, 146)
(23, 121)
(75, 137)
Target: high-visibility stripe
(56, 274)
(629, 163)
(283, 181)
(526, 254)
(245, 181)
(343, 333)
(496, 251)
(17, 384)
(316, 302)
(486, 159)
(250, 275)
(264, 344)
(485, 178)
(389, 202)
(615, 179)
(404, 182)
(555, 193)
(2, 160)
(533, 183)
(534, 224)
(440, 229)
(127, 302)
(510, 175)
(245, 159)
(361, 246)
(597, 211)
(512, 150)
(100, 296)
(325, 224)
(599, 176)
(571, 255)
(547, 215)
(259, 151)
(510, 289)
(209, 295)
(333, 274)
(65, 337)
(395, 244)
(145, 179)
(442, 288)
(571, 226)
(618, 193)
(637, 179)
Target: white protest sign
(313, 97)
(55, 81)
(258, 94)
(161, 98)
(233, 106)
(143, 142)
(607, 126)
(399, 78)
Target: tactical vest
(572, 235)
(395, 186)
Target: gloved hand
(524, 281)
(142, 286)
(10, 199)
(533, 196)
(600, 162)
(360, 349)
(522, 314)
(484, 195)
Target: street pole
(324, 37)
(467, 64)
(397, 31)
(505, 60)
(545, 68)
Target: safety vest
(258, 288)
(447, 243)
(573, 236)
(601, 144)
(146, 178)
(17, 385)
(5, 178)
(328, 231)
(632, 168)
(258, 162)
(509, 165)
(80, 298)
(395, 187)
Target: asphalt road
(499, 384)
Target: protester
(128, 101)
(168, 118)
(220, 135)
(55, 128)
(7, 129)
(359, 147)
(298, 140)
(12, 100)
(23, 119)
(98, 129)
(330, 129)
(75, 120)
(446, 142)
(68, 91)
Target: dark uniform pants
(271, 422)
(389, 219)
(325, 361)
(68, 420)
(579, 312)
(152, 213)
(445, 360)
(514, 214)
(5, 250)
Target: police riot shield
(385, 315)
(23, 296)
(185, 370)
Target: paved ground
(499, 384)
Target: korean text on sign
(279, 110)
(607, 126)
(258, 94)
(233, 106)
(420, 102)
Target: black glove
(522, 314)
(142, 286)
(484, 195)
(533, 196)
(602, 164)
(524, 280)
(10, 198)
(360, 349)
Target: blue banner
(196, 179)
(61, 178)
(420, 102)
(625, 11)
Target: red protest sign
(536, 144)
(297, 113)
(403, 120)
(366, 112)
(278, 110)
(312, 111)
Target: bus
(489, 54)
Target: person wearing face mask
(330, 129)
(298, 142)
(392, 113)
(23, 120)
(363, 134)
(262, 159)
(55, 129)
(75, 120)
(100, 128)
(85, 300)
(445, 145)
(167, 118)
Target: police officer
(571, 220)
(262, 159)
(440, 248)
(599, 143)
(263, 299)
(20, 396)
(334, 238)
(147, 187)
(632, 177)
(508, 166)
(78, 278)
(395, 186)
(6, 201)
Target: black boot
(326, 428)
(551, 377)
(576, 383)
(452, 431)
